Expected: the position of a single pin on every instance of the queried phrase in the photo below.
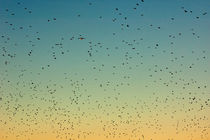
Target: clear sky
(104, 69)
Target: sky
(104, 69)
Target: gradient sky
(145, 81)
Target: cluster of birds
(103, 98)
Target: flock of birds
(103, 98)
